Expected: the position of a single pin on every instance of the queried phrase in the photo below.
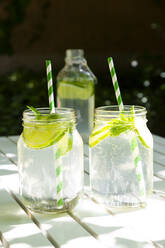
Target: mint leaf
(48, 117)
(118, 126)
(35, 111)
(124, 124)
(122, 117)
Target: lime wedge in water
(37, 137)
(65, 143)
(46, 133)
(98, 135)
(76, 90)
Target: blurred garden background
(132, 32)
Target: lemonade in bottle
(75, 89)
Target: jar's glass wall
(121, 157)
(38, 165)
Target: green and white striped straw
(138, 166)
(115, 84)
(58, 161)
(50, 86)
(134, 143)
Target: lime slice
(76, 90)
(41, 136)
(115, 128)
(98, 135)
(47, 131)
(65, 143)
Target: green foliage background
(140, 85)
(24, 87)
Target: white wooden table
(89, 224)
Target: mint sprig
(48, 117)
(123, 124)
(35, 111)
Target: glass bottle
(50, 160)
(75, 89)
(121, 157)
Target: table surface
(89, 224)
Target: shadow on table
(10, 213)
(33, 240)
(106, 236)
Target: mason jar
(50, 160)
(121, 157)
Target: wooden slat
(63, 228)
(159, 171)
(110, 230)
(158, 139)
(15, 225)
(14, 138)
(150, 233)
(7, 147)
(159, 158)
(159, 188)
(159, 192)
(123, 230)
(159, 148)
(3, 241)
(8, 174)
(9, 179)
(67, 232)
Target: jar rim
(64, 114)
(113, 110)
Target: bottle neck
(75, 57)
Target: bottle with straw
(120, 153)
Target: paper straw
(50, 86)
(58, 161)
(138, 166)
(115, 84)
(134, 144)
